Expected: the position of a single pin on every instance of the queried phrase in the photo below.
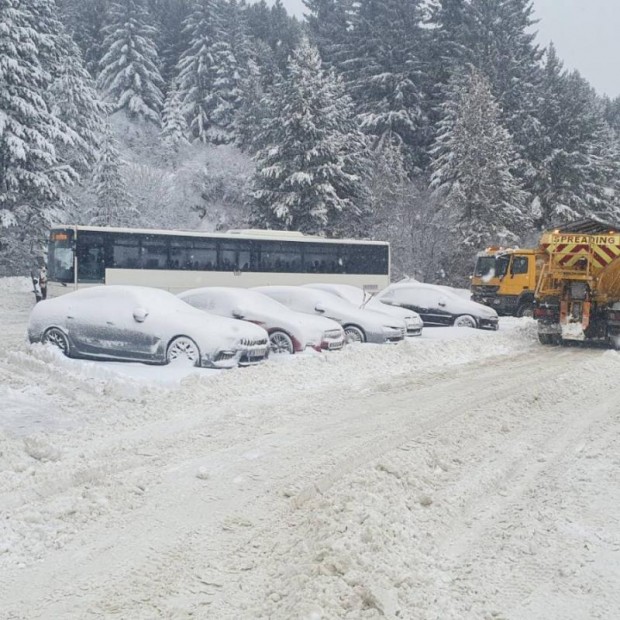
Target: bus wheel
(183, 351)
(527, 310)
(57, 338)
(281, 343)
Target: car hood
(366, 318)
(401, 313)
(208, 328)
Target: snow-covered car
(362, 299)
(134, 323)
(438, 305)
(360, 325)
(289, 332)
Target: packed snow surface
(463, 474)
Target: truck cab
(505, 279)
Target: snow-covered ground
(464, 474)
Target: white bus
(177, 260)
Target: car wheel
(183, 351)
(465, 320)
(354, 334)
(526, 310)
(281, 342)
(57, 338)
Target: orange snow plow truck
(578, 292)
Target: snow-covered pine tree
(575, 162)
(383, 73)
(252, 109)
(612, 114)
(328, 22)
(472, 170)
(207, 75)
(85, 21)
(129, 75)
(112, 204)
(274, 26)
(500, 41)
(32, 178)
(174, 127)
(308, 175)
(169, 16)
(75, 101)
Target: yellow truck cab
(505, 279)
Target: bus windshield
(60, 256)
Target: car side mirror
(140, 314)
(239, 313)
(442, 302)
(320, 308)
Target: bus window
(154, 253)
(90, 257)
(276, 256)
(322, 258)
(371, 259)
(180, 253)
(126, 252)
(204, 254)
(234, 256)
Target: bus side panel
(179, 281)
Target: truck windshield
(488, 267)
(485, 267)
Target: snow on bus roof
(274, 235)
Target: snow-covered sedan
(289, 332)
(438, 305)
(360, 325)
(361, 299)
(134, 323)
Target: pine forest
(440, 126)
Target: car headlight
(388, 330)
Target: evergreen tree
(328, 22)
(112, 202)
(32, 178)
(499, 40)
(383, 73)
(129, 74)
(85, 21)
(274, 26)
(472, 169)
(75, 102)
(174, 127)
(576, 157)
(169, 16)
(207, 80)
(309, 174)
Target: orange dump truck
(578, 292)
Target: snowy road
(462, 475)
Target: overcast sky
(585, 33)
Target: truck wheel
(544, 338)
(526, 309)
